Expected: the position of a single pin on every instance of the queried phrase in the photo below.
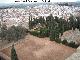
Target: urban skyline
(13, 1)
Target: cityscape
(40, 31)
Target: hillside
(75, 56)
(34, 48)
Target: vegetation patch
(12, 33)
(54, 27)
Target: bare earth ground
(34, 48)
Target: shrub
(35, 33)
(73, 45)
(65, 42)
(51, 38)
(44, 32)
(58, 40)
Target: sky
(12, 1)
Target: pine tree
(72, 22)
(13, 54)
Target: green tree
(30, 22)
(3, 32)
(54, 34)
(44, 32)
(13, 54)
(72, 22)
(15, 33)
(42, 21)
(50, 21)
(78, 22)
